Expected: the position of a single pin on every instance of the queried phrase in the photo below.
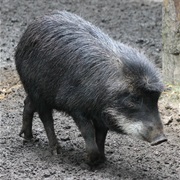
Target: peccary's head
(135, 107)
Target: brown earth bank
(135, 22)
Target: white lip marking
(129, 127)
(133, 129)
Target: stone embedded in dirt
(47, 174)
(140, 41)
(156, 153)
(79, 135)
(167, 120)
(178, 118)
(168, 106)
(167, 89)
(13, 20)
(67, 127)
(110, 151)
(65, 138)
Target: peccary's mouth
(158, 140)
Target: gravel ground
(135, 22)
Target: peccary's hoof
(26, 136)
(96, 160)
(32, 140)
(55, 150)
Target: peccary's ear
(150, 84)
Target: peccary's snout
(159, 139)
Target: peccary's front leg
(86, 127)
(101, 132)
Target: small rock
(65, 138)
(110, 151)
(167, 89)
(158, 50)
(67, 127)
(168, 106)
(178, 119)
(140, 41)
(13, 20)
(103, 20)
(168, 120)
(47, 174)
(52, 172)
(3, 141)
(79, 135)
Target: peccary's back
(64, 60)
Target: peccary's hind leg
(28, 113)
(48, 122)
(101, 132)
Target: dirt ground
(135, 22)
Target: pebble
(65, 138)
(168, 120)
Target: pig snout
(158, 139)
(154, 135)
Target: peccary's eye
(136, 99)
(130, 104)
(131, 101)
(134, 102)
